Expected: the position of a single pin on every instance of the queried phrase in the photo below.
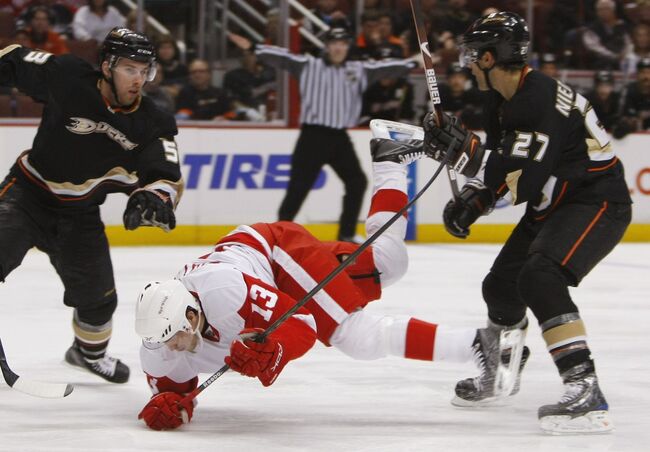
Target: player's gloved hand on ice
(263, 360)
(474, 200)
(465, 156)
(149, 208)
(166, 412)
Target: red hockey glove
(466, 156)
(149, 208)
(264, 360)
(165, 411)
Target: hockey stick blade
(31, 387)
(511, 344)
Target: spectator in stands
(60, 15)
(199, 99)
(606, 39)
(174, 72)
(641, 49)
(95, 20)
(457, 18)
(249, 86)
(156, 92)
(41, 36)
(548, 65)
(636, 105)
(604, 100)
(388, 98)
(433, 11)
(329, 11)
(369, 38)
(149, 30)
(389, 43)
(21, 37)
(272, 19)
(460, 98)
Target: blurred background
(601, 48)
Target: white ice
(326, 401)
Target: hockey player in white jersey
(200, 320)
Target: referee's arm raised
(275, 56)
(377, 70)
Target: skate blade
(488, 402)
(594, 422)
(507, 373)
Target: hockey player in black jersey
(97, 135)
(544, 147)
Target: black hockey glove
(474, 200)
(466, 155)
(149, 208)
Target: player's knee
(543, 286)
(98, 311)
(504, 304)
(392, 260)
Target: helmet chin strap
(486, 73)
(111, 83)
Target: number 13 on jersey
(256, 292)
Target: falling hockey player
(255, 274)
(98, 135)
(547, 149)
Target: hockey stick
(432, 83)
(31, 387)
(304, 300)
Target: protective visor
(467, 56)
(147, 74)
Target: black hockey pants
(75, 242)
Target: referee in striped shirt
(331, 92)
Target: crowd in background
(610, 38)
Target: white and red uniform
(257, 272)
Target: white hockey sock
(453, 344)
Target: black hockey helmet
(505, 34)
(124, 43)
(337, 33)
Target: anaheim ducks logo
(84, 126)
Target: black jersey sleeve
(528, 148)
(158, 162)
(34, 72)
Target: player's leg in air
(338, 311)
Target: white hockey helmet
(160, 311)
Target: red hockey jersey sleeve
(266, 304)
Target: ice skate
(581, 409)
(383, 150)
(499, 370)
(109, 368)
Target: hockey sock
(91, 340)
(431, 342)
(388, 191)
(566, 341)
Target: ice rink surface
(326, 401)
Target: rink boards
(239, 175)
